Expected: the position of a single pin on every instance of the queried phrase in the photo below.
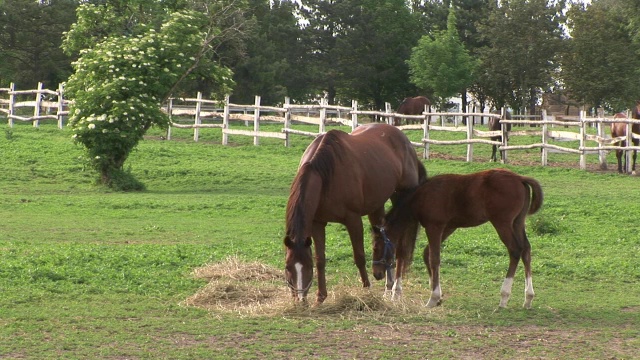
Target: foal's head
(383, 253)
(298, 267)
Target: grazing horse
(447, 202)
(495, 125)
(412, 106)
(341, 178)
(620, 129)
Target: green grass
(89, 273)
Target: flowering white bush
(119, 84)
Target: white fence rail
(48, 104)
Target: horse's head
(383, 253)
(298, 267)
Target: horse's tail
(536, 194)
(403, 224)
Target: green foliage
(120, 83)
(600, 39)
(442, 63)
(30, 38)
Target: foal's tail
(536, 194)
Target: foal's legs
(431, 257)
(515, 239)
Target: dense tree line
(367, 50)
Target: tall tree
(30, 38)
(600, 65)
(442, 63)
(274, 63)
(358, 48)
(524, 39)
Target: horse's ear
(287, 242)
(308, 242)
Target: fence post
(425, 135)
(225, 121)
(583, 139)
(256, 121)
(354, 115)
(197, 121)
(545, 139)
(602, 155)
(60, 105)
(469, 137)
(287, 120)
(36, 108)
(12, 101)
(323, 115)
(170, 114)
(627, 153)
(389, 119)
(505, 134)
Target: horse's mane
(322, 163)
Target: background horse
(620, 129)
(341, 178)
(412, 106)
(447, 202)
(495, 125)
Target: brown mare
(495, 125)
(341, 178)
(620, 129)
(447, 202)
(412, 106)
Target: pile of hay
(252, 288)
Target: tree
(30, 38)
(274, 65)
(126, 70)
(524, 38)
(358, 48)
(442, 63)
(601, 63)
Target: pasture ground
(189, 269)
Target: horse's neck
(303, 203)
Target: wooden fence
(46, 104)
(54, 106)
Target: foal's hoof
(432, 303)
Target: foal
(620, 129)
(447, 202)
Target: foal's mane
(323, 162)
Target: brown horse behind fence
(412, 106)
(620, 129)
(341, 178)
(496, 125)
(447, 202)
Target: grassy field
(89, 273)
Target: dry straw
(253, 288)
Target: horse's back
(413, 105)
(471, 200)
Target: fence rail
(49, 104)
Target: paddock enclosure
(89, 273)
(581, 136)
